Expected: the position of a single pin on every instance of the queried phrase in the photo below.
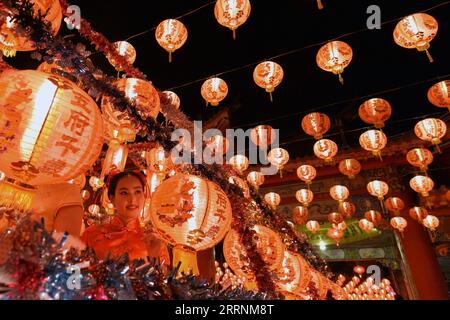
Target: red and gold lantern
(214, 90)
(171, 34)
(217, 145)
(334, 57)
(350, 167)
(394, 205)
(156, 160)
(316, 124)
(373, 216)
(263, 136)
(241, 184)
(399, 223)
(239, 162)
(325, 149)
(420, 157)
(335, 217)
(304, 196)
(347, 209)
(375, 111)
(339, 193)
(439, 94)
(335, 234)
(273, 199)
(366, 225)
(374, 141)
(418, 213)
(378, 189)
(300, 215)
(294, 274)
(232, 13)
(278, 157)
(359, 270)
(256, 179)
(422, 185)
(306, 173)
(49, 133)
(115, 160)
(432, 130)
(125, 50)
(430, 222)
(313, 226)
(268, 75)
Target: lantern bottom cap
(16, 195)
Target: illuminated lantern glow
(263, 136)
(123, 49)
(335, 217)
(268, 75)
(339, 193)
(416, 31)
(432, 130)
(439, 94)
(319, 4)
(184, 208)
(378, 189)
(241, 184)
(366, 225)
(294, 274)
(316, 124)
(239, 162)
(306, 173)
(154, 180)
(96, 183)
(422, 185)
(171, 34)
(335, 234)
(334, 57)
(115, 160)
(420, 157)
(169, 98)
(156, 160)
(300, 215)
(373, 216)
(350, 167)
(49, 133)
(340, 226)
(268, 244)
(232, 13)
(15, 38)
(85, 195)
(304, 196)
(359, 270)
(325, 149)
(214, 90)
(217, 144)
(375, 111)
(278, 157)
(430, 222)
(399, 223)
(418, 213)
(394, 205)
(373, 141)
(94, 209)
(347, 209)
(313, 226)
(255, 179)
(273, 199)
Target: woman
(123, 234)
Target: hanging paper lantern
(349, 167)
(439, 94)
(339, 193)
(241, 184)
(171, 34)
(420, 157)
(154, 180)
(316, 124)
(125, 50)
(255, 179)
(273, 199)
(49, 133)
(334, 57)
(430, 222)
(422, 185)
(268, 75)
(14, 37)
(335, 234)
(432, 130)
(399, 223)
(96, 183)
(373, 216)
(217, 144)
(214, 90)
(378, 189)
(340, 226)
(170, 98)
(304, 196)
(335, 217)
(325, 149)
(374, 141)
(416, 31)
(94, 209)
(239, 162)
(85, 195)
(115, 160)
(394, 205)
(232, 14)
(320, 283)
(294, 274)
(418, 213)
(268, 244)
(359, 270)
(190, 212)
(312, 226)
(347, 209)
(156, 160)
(375, 111)
(278, 157)
(263, 136)
(300, 215)
(306, 173)
(366, 225)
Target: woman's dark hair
(116, 178)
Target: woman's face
(129, 198)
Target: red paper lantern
(241, 184)
(347, 209)
(334, 57)
(171, 34)
(312, 226)
(124, 49)
(375, 111)
(300, 215)
(418, 213)
(263, 136)
(350, 167)
(306, 173)
(278, 157)
(268, 75)
(394, 205)
(366, 225)
(214, 90)
(420, 157)
(339, 193)
(316, 124)
(232, 14)
(374, 141)
(378, 189)
(217, 144)
(422, 185)
(373, 216)
(325, 149)
(304, 196)
(239, 162)
(273, 199)
(335, 234)
(432, 130)
(335, 217)
(439, 94)
(359, 270)
(255, 179)
(399, 223)
(294, 274)
(430, 222)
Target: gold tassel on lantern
(319, 4)
(187, 258)
(16, 195)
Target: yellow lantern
(125, 50)
(374, 141)
(171, 34)
(416, 31)
(239, 162)
(439, 94)
(273, 199)
(334, 57)
(268, 75)
(214, 90)
(278, 157)
(378, 189)
(232, 13)
(432, 130)
(325, 149)
(49, 133)
(304, 196)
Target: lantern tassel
(170, 56)
(319, 4)
(187, 259)
(430, 58)
(438, 148)
(341, 79)
(17, 197)
(234, 34)
(271, 98)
